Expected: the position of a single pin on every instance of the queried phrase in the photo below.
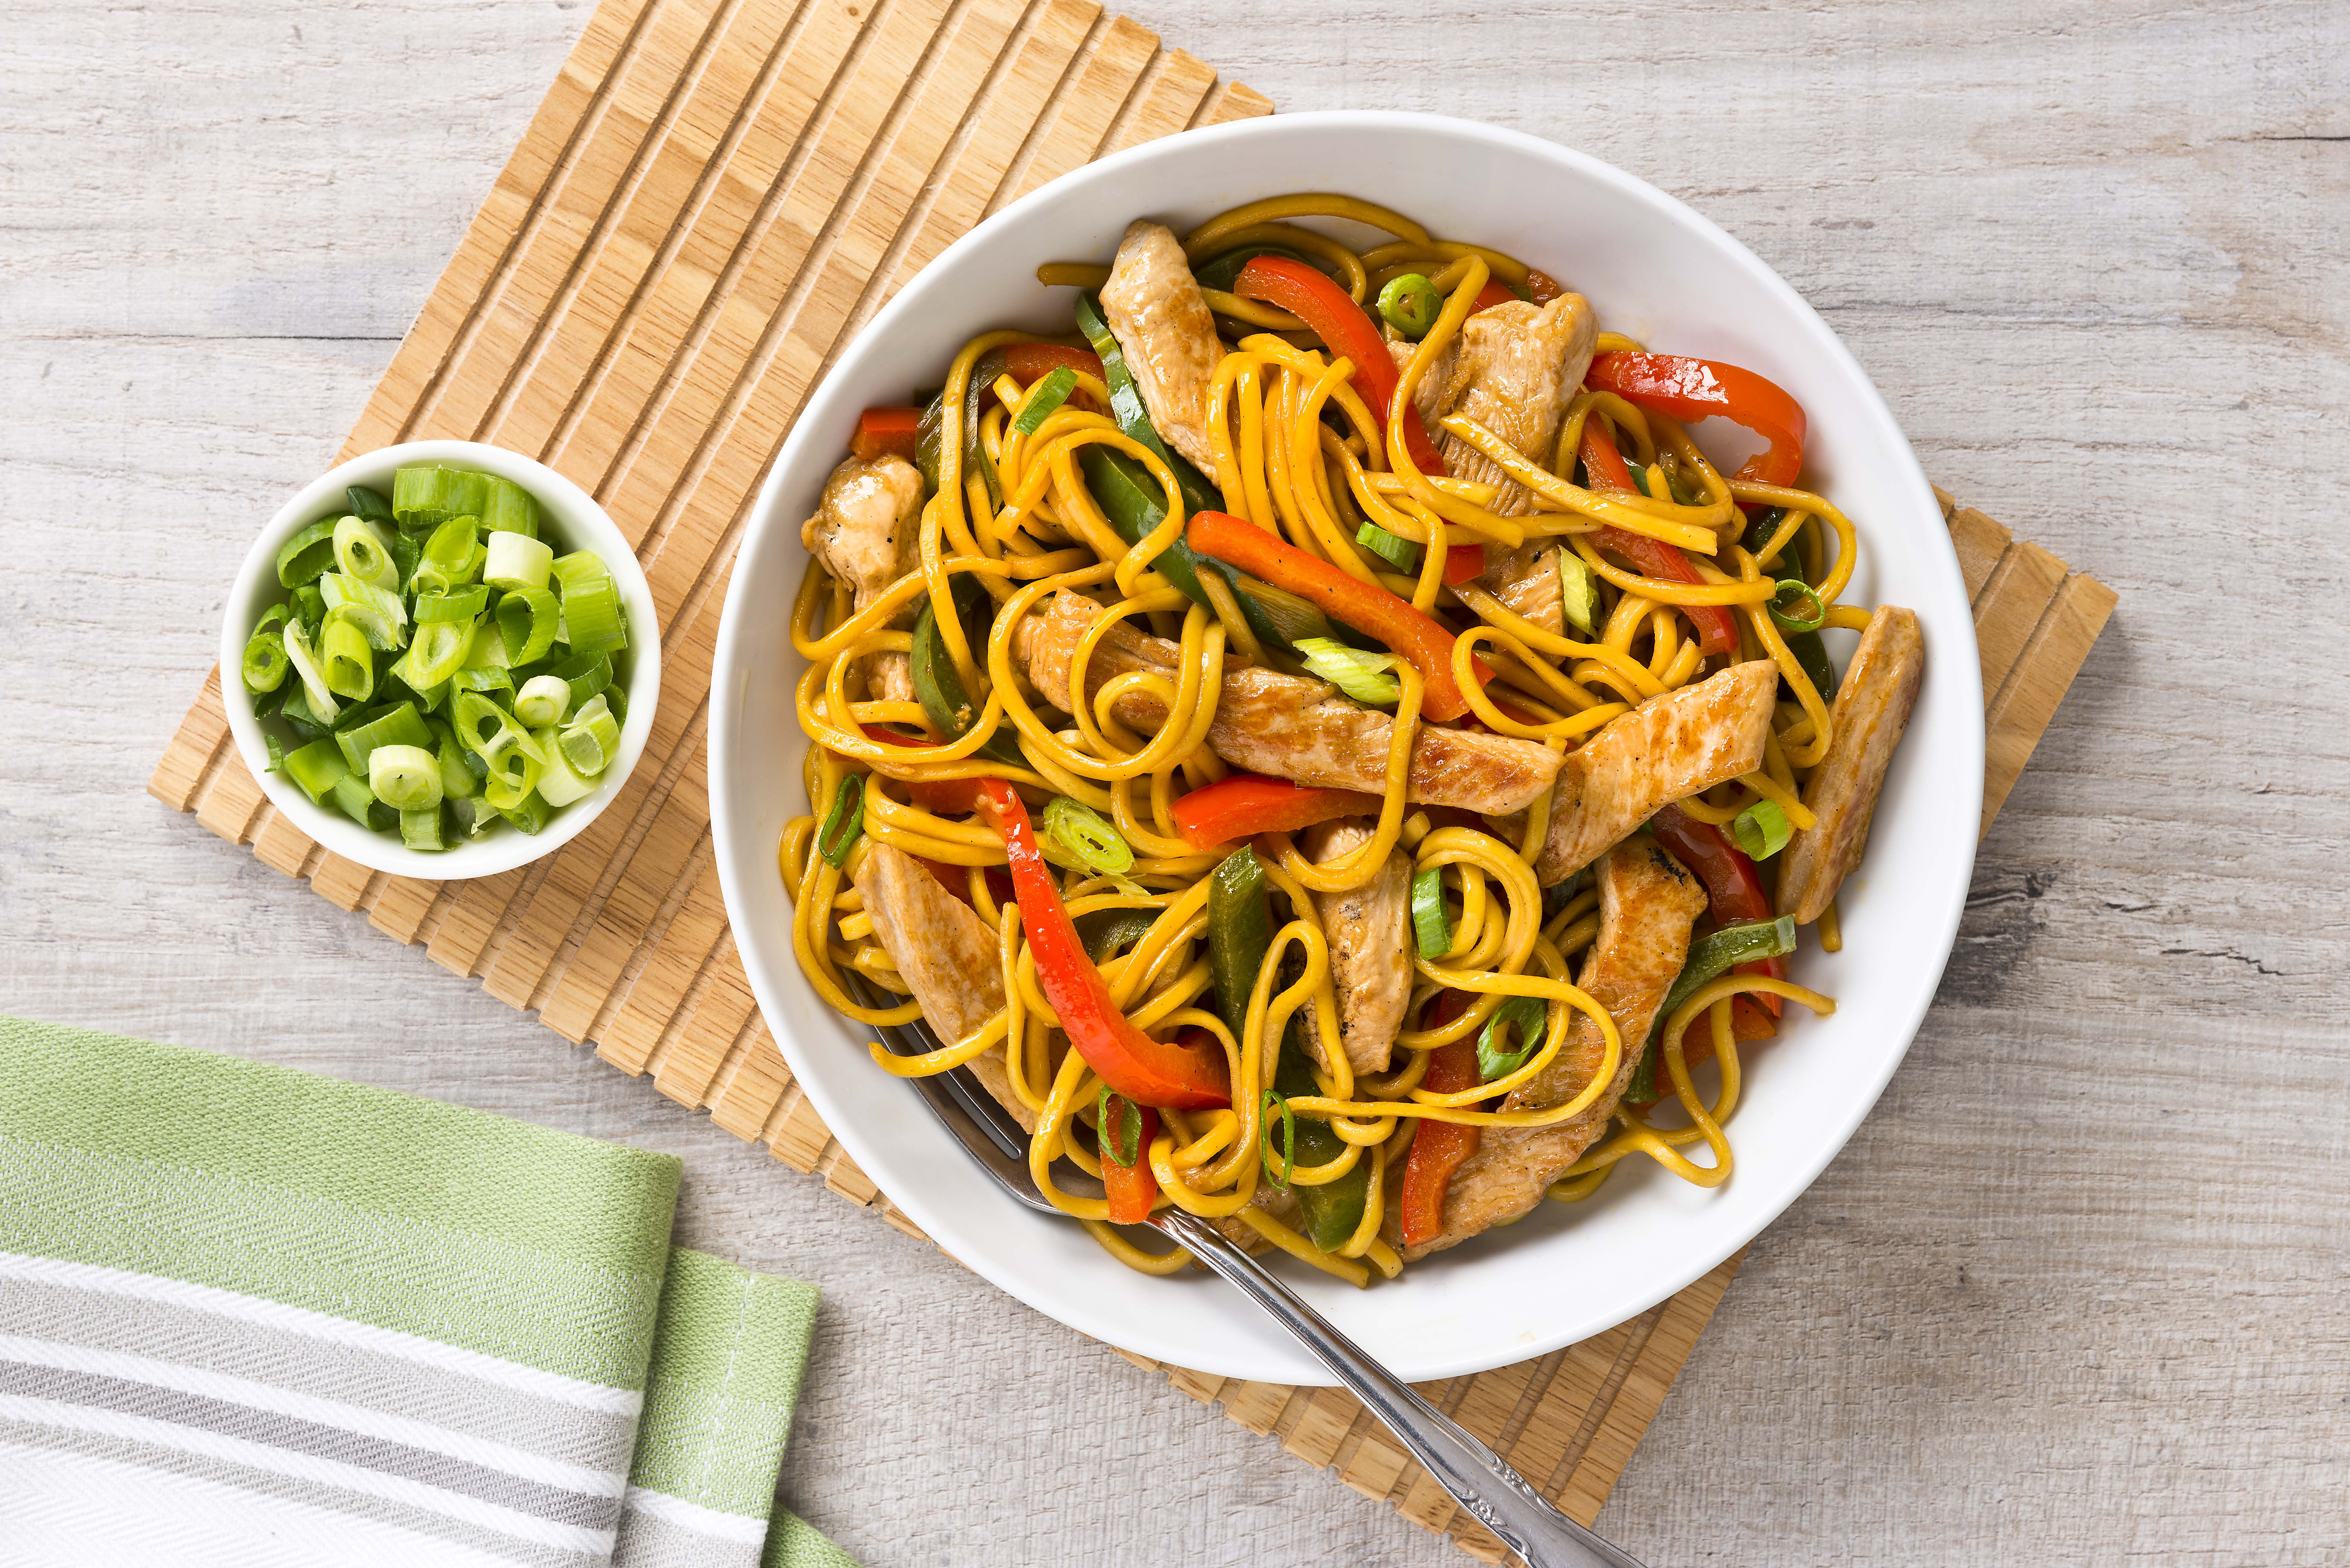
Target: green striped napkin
(251, 1316)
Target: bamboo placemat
(712, 198)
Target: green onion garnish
(452, 558)
(1410, 304)
(529, 814)
(1118, 1120)
(347, 658)
(464, 605)
(517, 561)
(1082, 834)
(422, 498)
(368, 504)
(421, 828)
(528, 619)
(541, 701)
(1393, 548)
(511, 509)
(396, 726)
(360, 551)
(308, 553)
(1578, 593)
(1049, 394)
(588, 673)
(1527, 1015)
(1359, 674)
(559, 784)
(374, 611)
(1431, 927)
(1709, 956)
(1762, 829)
(1274, 1104)
(405, 778)
(265, 663)
(1796, 607)
(591, 738)
(845, 823)
(316, 768)
(592, 615)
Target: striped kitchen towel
(250, 1317)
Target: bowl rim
(583, 524)
(1955, 645)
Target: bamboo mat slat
(714, 197)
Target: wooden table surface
(2076, 1294)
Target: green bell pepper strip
(940, 691)
(1710, 957)
(1109, 932)
(1332, 1211)
(1126, 408)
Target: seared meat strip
(1268, 723)
(1512, 369)
(1156, 312)
(945, 954)
(1647, 905)
(1369, 929)
(1668, 749)
(1871, 710)
(1526, 582)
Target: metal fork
(1479, 1480)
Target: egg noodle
(1298, 454)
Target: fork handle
(1479, 1480)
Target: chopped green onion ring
(316, 768)
(368, 504)
(528, 619)
(511, 509)
(516, 560)
(560, 783)
(348, 660)
(436, 655)
(1527, 1014)
(311, 669)
(1270, 1106)
(360, 551)
(1804, 594)
(1762, 829)
(1578, 593)
(308, 552)
(1084, 837)
(592, 615)
(845, 823)
(1393, 548)
(464, 605)
(1431, 927)
(421, 829)
(378, 613)
(529, 814)
(1359, 674)
(592, 737)
(1410, 304)
(265, 663)
(541, 703)
(405, 778)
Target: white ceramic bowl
(569, 519)
(1656, 270)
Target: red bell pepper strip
(1495, 292)
(1131, 1190)
(1717, 629)
(1029, 363)
(897, 432)
(1463, 563)
(1237, 808)
(1147, 1072)
(1438, 1149)
(1366, 607)
(1691, 390)
(1731, 883)
(1331, 313)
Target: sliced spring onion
(618, 700)
(320, 698)
(1276, 1105)
(405, 778)
(588, 673)
(1762, 829)
(510, 509)
(358, 801)
(559, 782)
(348, 660)
(378, 614)
(421, 829)
(464, 605)
(310, 607)
(1578, 593)
(276, 754)
(453, 557)
(1048, 394)
(1796, 607)
(475, 815)
(436, 655)
(368, 504)
(1393, 548)
(1410, 304)
(513, 758)
(1117, 1126)
(541, 703)
(844, 822)
(360, 551)
(457, 778)
(517, 561)
(266, 664)
(400, 726)
(591, 739)
(316, 769)
(1360, 675)
(308, 553)
(1083, 835)
(294, 707)
(1709, 957)
(494, 678)
(424, 497)
(1431, 927)
(1527, 1015)
(592, 617)
(527, 620)
(529, 814)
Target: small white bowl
(569, 519)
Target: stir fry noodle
(1323, 745)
